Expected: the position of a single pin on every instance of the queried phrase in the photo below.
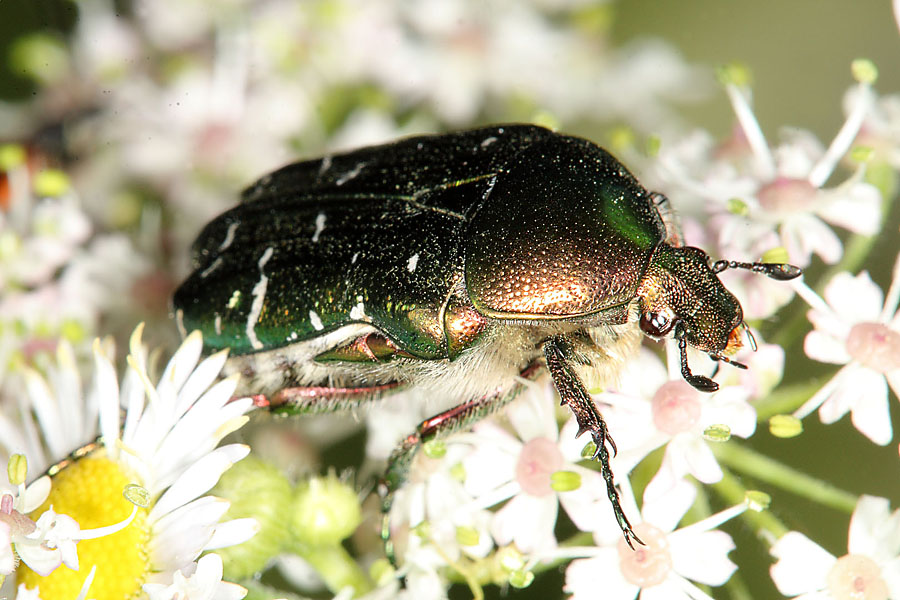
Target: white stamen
(751, 128)
(822, 170)
(893, 296)
(259, 296)
(819, 397)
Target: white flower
(870, 569)
(755, 189)
(166, 445)
(537, 471)
(655, 410)
(660, 569)
(198, 581)
(857, 327)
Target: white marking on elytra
(320, 225)
(350, 174)
(259, 296)
(235, 298)
(215, 265)
(413, 261)
(353, 259)
(218, 324)
(229, 236)
(316, 321)
(490, 187)
(488, 141)
(358, 311)
(326, 164)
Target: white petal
(199, 478)
(105, 395)
(666, 509)
(233, 532)
(587, 578)
(855, 299)
(802, 564)
(180, 367)
(41, 560)
(856, 207)
(867, 526)
(672, 588)
(588, 506)
(703, 556)
(198, 382)
(695, 457)
(730, 407)
(890, 572)
(532, 414)
(869, 412)
(528, 521)
(825, 348)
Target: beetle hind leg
(573, 394)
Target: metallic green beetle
(457, 263)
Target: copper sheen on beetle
(458, 264)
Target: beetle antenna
(700, 382)
(725, 359)
(778, 271)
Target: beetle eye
(656, 324)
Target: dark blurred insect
(457, 263)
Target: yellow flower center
(90, 491)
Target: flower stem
(767, 526)
(761, 467)
(786, 399)
(336, 567)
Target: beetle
(459, 264)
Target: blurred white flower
(856, 326)
(198, 581)
(664, 567)
(870, 569)
(654, 410)
(535, 471)
(166, 445)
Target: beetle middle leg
(573, 394)
(441, 425)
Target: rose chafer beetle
(459, 264)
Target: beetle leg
(700, 382)
(459, 417)
(317, 400)
(575, 396)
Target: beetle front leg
(441, 425)
(574, 395)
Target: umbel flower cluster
(133, 475)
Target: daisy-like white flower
(536, 471)
(755, 189)
(199, 581)
(870, 569)
(166, 445)
(663, 568)
(856, 326)
(654, 409)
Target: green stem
(766, 525)
(787, 398)
(336, 567)
(761, 467)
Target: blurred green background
(799, 52)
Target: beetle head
(680, 293)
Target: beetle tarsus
(699, 382)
